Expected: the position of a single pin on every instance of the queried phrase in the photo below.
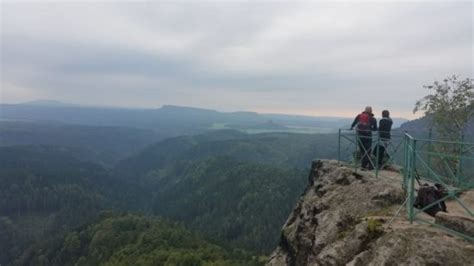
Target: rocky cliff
(342, 218)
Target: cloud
(312, 57)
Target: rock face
(342, 218)
(461, 224)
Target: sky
(310, 58)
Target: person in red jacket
(364, 124)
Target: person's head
(368, 109)
(385, 113)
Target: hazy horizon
(314, 59)
(51, 102)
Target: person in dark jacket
(365, 123)
(385, 126)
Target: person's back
(365, 123)
(385, 125)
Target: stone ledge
(462, 224)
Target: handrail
(409, 136)
(447, 141)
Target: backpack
(364, 122)
(427, 195)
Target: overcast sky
(311, 58)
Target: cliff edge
(342, 218)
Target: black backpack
(428, 194)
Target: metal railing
(447, 163)
(424, 160)
(379, 152)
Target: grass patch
(374, 227)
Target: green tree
(450, 106)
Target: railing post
(377, 146)
(405, 163)
(411, 189)
(356, 154)
(459, 170)
(430, 150)
(339, 146)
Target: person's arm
(374, 124)
(356, 120)
(383, 125)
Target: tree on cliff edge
(450, 106)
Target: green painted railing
(352, 150)
(419, 161)
(448, 163)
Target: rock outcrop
(342, 218)
(458, 223)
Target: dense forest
(124, 239)
(235, 189)
(47, 190)
(238, 204)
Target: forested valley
(108, 189)
(72, 194)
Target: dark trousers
(365, 145)
(382, 154)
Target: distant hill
(50, 103)
(421, 127)
(169, 120)
(102, 145)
